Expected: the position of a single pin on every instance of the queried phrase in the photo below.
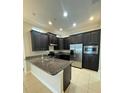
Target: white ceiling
(79, 11)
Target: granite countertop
(49, 65)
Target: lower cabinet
(66, 77)
(91, 62)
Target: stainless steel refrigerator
(76, 56)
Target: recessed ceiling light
(65, 14)
(91, 18)
(74, 24)
(50, 23)
(60, 29)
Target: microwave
(91, 49)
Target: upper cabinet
(66, 43)
(75, 39)
(95, 37)
(86, 38)
(61, 44)
(39, 41)
(52, 38)
(92, 37)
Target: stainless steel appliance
(76, 57)
(92, 49)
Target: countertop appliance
(91, 57)
(76, 54)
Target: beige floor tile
(33, 85)
(95, 86)
(76, 89)
(83, 81)
(24, 90)
(94, 91)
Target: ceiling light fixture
(65, 14)
(91, 18)
(60, 29)
(74, 24)
(50, 23)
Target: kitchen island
(52, 72)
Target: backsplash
(51, 48)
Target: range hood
(51, 44)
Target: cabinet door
(57, 44)
(52, 38)
(61, 46)
(44, 41)
(86, 38)
(70, 40)
(66, 77)
(35, 38)
(86, 63)
(95, 37)
(66, 43)
(39, 41)
(94, 62)
(91, 62)
(78, 38)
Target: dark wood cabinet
(95, 37)
(91, 38)
(52, 38)
(56, 47)
(91, 62)
(86, 38)
(66, 43)
(61, 44)
(66, 77)
(76, 39)
(70, 40)
(39, 41)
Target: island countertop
(49, 65)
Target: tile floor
(83, 81)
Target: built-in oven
(91, 49)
